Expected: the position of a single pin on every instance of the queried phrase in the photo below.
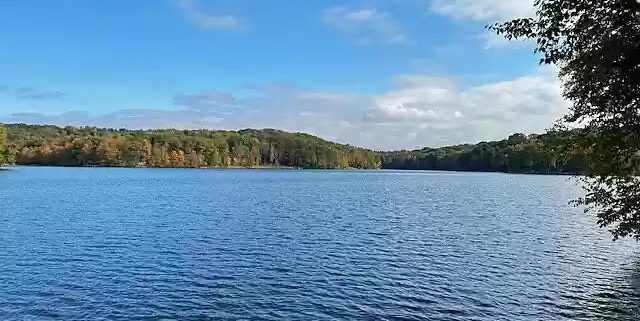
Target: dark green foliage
(90, 146)
(596, 45)
(551, 153)
(3, 156)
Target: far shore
(160, 167)
(268, 167)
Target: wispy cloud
(487, 11)
(484, 10)
(32, 93)
(210, 98)
(366, 25)
(142, 118)
(206, 20)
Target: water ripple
(143, 244)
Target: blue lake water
(172, 244)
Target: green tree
(3, 147)
(596, 46)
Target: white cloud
(206, 20)
(487, 11)
(450, 114)
(367, 26)
(484, 10)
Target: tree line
(91, 146)
(555, 152)
(3, 151)
(551, 153)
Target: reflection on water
(147, 244)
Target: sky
(393, 74)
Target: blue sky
(380, 74)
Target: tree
(596, 46)
(3, 135)
(177, 158)
(241, 154)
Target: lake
(188, 244)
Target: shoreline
(154, 167)
(265, 167)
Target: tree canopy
(596, 46)
(91, 146)
(550, 153)
(3, 158)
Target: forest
(91, 146)
(556, 152)
(551, 153)
(3, 137)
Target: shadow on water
(619, 298)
